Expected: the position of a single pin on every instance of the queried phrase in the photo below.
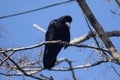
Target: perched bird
(58, 29)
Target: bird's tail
(49, 61)
(50, 54)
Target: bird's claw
(65, 44)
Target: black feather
(57, 30)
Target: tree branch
(7, 57)
(97, 26)
(52, 42)
(38, 69)
(21, 70)
(89, 35)
(39, 28)
(78, 67)
(116, 71)
(115, 33)
(71, 68)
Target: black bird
(58, 29)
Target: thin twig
(95, 39)
(115, 71)
(39, 28)
(71, 68)
(7, 57)
(20, 69)
(51, 78)
(79, 67)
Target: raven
(58, 29)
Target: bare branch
(52, 42)
(9, 74)
(97, 26)
(6, 57)
(114, 33)
(63, 59)
(78, 67)
(39, 28)
(71, 68)
(38, 69)
(115, 71)
(21, 70)
(115, 12)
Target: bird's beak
(67, 23)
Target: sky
(18, 31)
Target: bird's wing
(51, 50)
(51, 32)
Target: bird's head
(66, 20)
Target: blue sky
(19, 32)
